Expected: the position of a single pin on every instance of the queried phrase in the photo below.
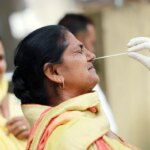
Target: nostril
(90, 55)
(93, 57)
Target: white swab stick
(113, 55)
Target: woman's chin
(96, 79)
(94, 82)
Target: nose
(90, 56)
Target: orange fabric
(92, 109)
(101, 145)
(48, 130)
(34, 129)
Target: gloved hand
(139, 44)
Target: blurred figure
(14, 129)
(139, 44)
(83, 28)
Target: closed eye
(81, 48)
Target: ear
(51, 73)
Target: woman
(55, 71)
(14, 129)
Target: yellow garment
(9, 141)
(77, 127)
(3, 88)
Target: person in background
(83, 29)
(14, 128)
(139, 44)
(54, 79)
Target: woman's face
(2, 60)
(77, 67)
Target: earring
(61, 85)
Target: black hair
(75, 23)
(43, 45)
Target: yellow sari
(9, 141)
(76, 124)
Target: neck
(57, 95)
(70, 93)
(63, 95)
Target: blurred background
(125, 82)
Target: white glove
(139, 44)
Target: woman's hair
(44, 45)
